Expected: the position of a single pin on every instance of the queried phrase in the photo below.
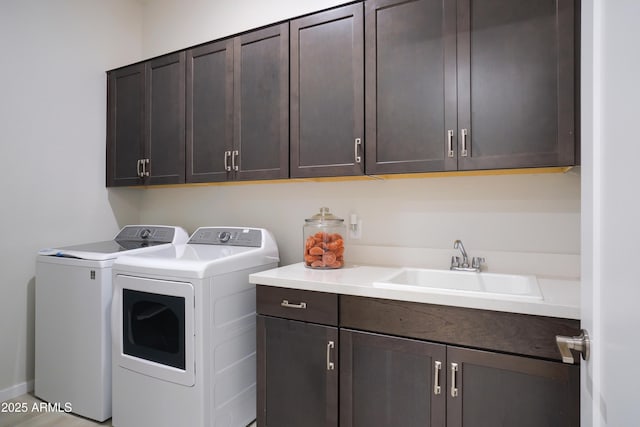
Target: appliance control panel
(146, 233)
(229, 236)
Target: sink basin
(489, 285)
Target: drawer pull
(330, 365)
(287, 304)
(454, 374)
(436, 377)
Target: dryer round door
(153, 328)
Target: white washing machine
(184, 331)
(72, 322)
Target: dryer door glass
(154, 327)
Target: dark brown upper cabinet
(238, 107)
(327, 93)
(125, 125)
(209, 111)
(477, 84)
(410, 85)
(516, 79)
(146, 122)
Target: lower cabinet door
(297, 374)
(389, 381)
(491, 389)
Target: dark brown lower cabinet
(493, 389)
(390, 381)
(382, 380)
(297, 373)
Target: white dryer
(184, 330)
(72, 322)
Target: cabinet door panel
(295, 388)
(410, 85)
(165, 143)
(125, 124)
(516, 83)
(327, 95)
(262, 103)
(389, 381)
(503, 390)
(209, 110)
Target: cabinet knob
(356, 150)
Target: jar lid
(324, 216)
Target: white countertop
(561, 297)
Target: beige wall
(52, 148)
(531, 214)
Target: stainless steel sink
(489, 285)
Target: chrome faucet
(463, 264)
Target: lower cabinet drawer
(296, 304)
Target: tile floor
(10, 418)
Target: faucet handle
(477, 261)
(455, 261)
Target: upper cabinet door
(209, 111)
(410, 51)
(516, 83)
(125, 125)
(261, 104)
(165, 139)
(327, 94)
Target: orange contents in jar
(324, 250)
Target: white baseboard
(16, 390)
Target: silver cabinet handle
(287, 304)
(138, 168)
(330, 365)
(454, 373)
(356, 150)
(450, 152)
(226, 161)
(463, 151)
(145, 170)
(581, 343)
(234, 166)
(437, 367)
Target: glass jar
(324, 241)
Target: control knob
(224, 237)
